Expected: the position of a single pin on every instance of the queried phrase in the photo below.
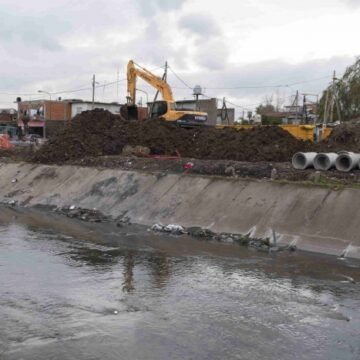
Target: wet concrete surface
(72, 290)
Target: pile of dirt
(98, 133)
(344, 137)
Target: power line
(18, 94)
(74, 90)
(269, 86)
(248, 87)
(180, 79)
(245, 107)
(187, 86)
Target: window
(79, 110)
(159, 108)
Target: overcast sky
(231, 48)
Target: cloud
(353, 3)
(212, 55)
(148, 8)
(37, 31)
(59, 45)
(151, 46)
(209, 44)
(200, 24)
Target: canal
(73, 290)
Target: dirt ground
(344, 137)
(97, 138)
(264, 170)
(226, 168)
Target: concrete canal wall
(312, 218)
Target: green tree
(264, 109)
(346, 92)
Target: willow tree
(343, 96)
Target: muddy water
(79, 291)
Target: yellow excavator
(164, 109)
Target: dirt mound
(344, 137)
(98, 132)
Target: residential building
(44, 117)
(8, 117)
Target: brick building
(43, 117)
(8, 117)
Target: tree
(267, 106)
(265, 109)
(345, 94)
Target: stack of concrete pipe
(343, 161)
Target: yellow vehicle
(164, 109)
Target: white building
(78, 106)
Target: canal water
(70, 290)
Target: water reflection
(129, 264)
(63, 296)
(160, 268)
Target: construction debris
(89, 215)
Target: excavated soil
(99, 133)
(344, 137)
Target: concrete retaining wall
(314, 219)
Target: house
(8, 122)
(8, 116)
(44, 117)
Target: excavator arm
(133, 72)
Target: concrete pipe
(325, 161)
(347, 162)
(344, 152)
(302, 161)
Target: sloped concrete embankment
(313, 219)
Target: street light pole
(147, 95)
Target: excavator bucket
(129, 112)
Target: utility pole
(157, 92)
(93, 90)
(305, 110)
(117, 85)
(311, 102)
(296, 104)
(333, 97)
(166, 70)
(326, 107)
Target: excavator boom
(161, 85)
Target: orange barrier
(5, 142)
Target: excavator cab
(159, 108)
